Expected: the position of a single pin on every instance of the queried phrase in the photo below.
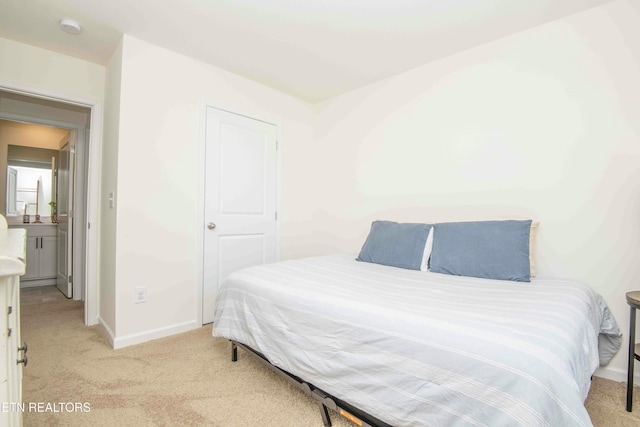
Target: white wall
(49, 71)
(158, 173)
(544, 124)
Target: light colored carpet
(184, 380)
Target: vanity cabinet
(12, 254)
(42, 247)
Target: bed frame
(325, 400)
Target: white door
(240, 198)
(64, 206)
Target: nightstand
(633, 299)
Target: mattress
(418, 348)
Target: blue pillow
(395, 244)
(487, 249)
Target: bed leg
(324, 411)
(234, 352)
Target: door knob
(211, 226)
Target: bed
(412, 348)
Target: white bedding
(417, 348)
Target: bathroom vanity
(41, 253)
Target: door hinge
(70, 278)
(276, 215)
(277, 145)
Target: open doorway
(24, 117)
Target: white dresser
(12, 266)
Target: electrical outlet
(141, 294)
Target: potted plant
(54, 212)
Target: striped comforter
(416, 348)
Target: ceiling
(311, 49)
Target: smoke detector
(70, 26)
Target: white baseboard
(618, 375)
(107, 331)
(127, 340)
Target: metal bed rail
(325, 400)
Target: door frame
(200, 223)
(91, 215)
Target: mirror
(31, 180)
